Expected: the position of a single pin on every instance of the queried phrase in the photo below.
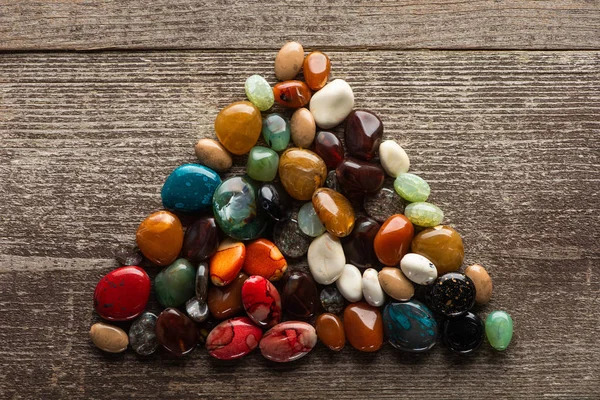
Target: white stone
(372, 290)
(350, 283)
(393, 158)
(418, 269)
(326, 259)
(332, 104)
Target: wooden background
(496, 102)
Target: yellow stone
(238, 127)
(334, 211)
(301, 172)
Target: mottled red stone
(122, 294)
(261, 301)
(288, 341)
(233, 338)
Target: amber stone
(292, 94)
(201, 239)
(363, 326)
(359, 178)
(299, 295)
(358, 246)
(160, 237)
(393, 240)
(316, 70)
(329, 148)
(442, 245)
(301, 172)
(330, 331)
(238, 127)
(176, 332)
(334, 211)
(226, 301)
(364, 131)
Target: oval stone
(463, 335)
(288, 341)
(189, 188)
(275, 201)
(393, 158)
(226, 301)
(259, 92)
(262, 164)
(410, 326)
(301, 172)
(202, 279)
(411, 187)
(326, 259)
(393, 240)
(292, 94)
(227, 262)
(303, 128)
(122, 294)
(499, 329)
(329, 148)
(452, 295)
(299, 294)
(176, 332)
(332, 104)
(418, 269)
(276, 131)
(395, 284)
(261, 301)
(264, 258)
(424, 214)
(176, 283)
(359, 178)
(142, 335)
(371, 288)
(309, 222)
(442, 245)
(201, 239)
(213, 155)
(233, 339)
(330, 331)
(350, 283)
(238, 126)
(288, 61)
(332, 300)
(364, 131)
(160, 237)
(316, 69)
(334, 211)
(482, 281)
(358, 246)
(363, 326)
(109, 338)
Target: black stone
(464, 334)
(452, 295)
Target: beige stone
(303, 128)
(109, 338)
(396, 284)
(289, 60)
(212, 154)
(482, 281)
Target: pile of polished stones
(381, 264)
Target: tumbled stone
(395, 284)
(202, 279)
(452, 295)
(288, 341)
(393, 240)
(264, 258)
(142, 335)
(316, 69)
(276, 131)
(288, 237)
(482, 281)
(364, 131)
(499, 329)
(227, 262)
(442, 245)
(176, 332)
(424, 214)
(410, 326)
(332, 300)
(213, 155)
(303, 128)
(233, 339)
(371, 288)
(393, 158)
(292, 94)
(226, 301)
(309, 222)
(299, 294)
(334, 211)
(201, 239)
(301, 172)
(109, 338)
(261, 301)
(363, 326)
(160, 237)
(382, 204)
(464, 334)
(329, 148)
(238, 127)
(350, 283)
(332, 104)
(129, 255)
(418, 269)
(326, 259)
(189, 188)
(196, 310)
(289, 60)
(411, 187)
(122, 294)
(176, 283)
(275, 201)
(330, 331)
(358, 246)
(359, 178)
(262, 164)
(331, 181)
(259, 92)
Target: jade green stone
(276, 131)
(424, 214)
(259, 92)
(175, 284)
(262, 164)
(309, 222)
(499, 329)
(411, 187)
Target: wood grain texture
(508, 142)
(218, 24)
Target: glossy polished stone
(201, 239)
(331, 181)
(289, 60)
(276, 131)
(482, 281)
(236, 209)
(464, 334)
(301, 173)
(196, 310)
(332, 104)
(424, 214)
(262, 164)
(292, 94)
(418, 269)
(176, 283)
(309, 222)
(330, 331)
(109, 338)
(264, 258)
(442, 245)
(326, 259)
(261, 301)
(364, 131)
(393, 158)
(160, 237)
(410, 326)
(213, 155)
(363, 326)
(359, 178)
(259, 92)
(233, 339)
(452, 295)
(288, 238)
(380, 205)
(189, 188)
(359, 245)
(499, 329)
(393, 240)
(316, 69)
(275, 201)
(329, 148)
(238, 126)
(288, 341)
(332, 300)
(226, 301)
(299, 294)
(372, 291)
(122, 294)
(176, 332)
(129, 255)
(303, 128)
(202, 280)
(227, 262)
(334, 211)
(142, 334)
(395, 284)
(412, 187)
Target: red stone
(233, 338)
(288, 341)
(261, 301)
(364, 131)
(122, 294)
(329, 148)
(293, 94)
(358, 177)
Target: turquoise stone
(262, 164)
(276, 131)
(410, 326)
(424, 214)
(499, 329)
(236, 209)
(259, 92)
(175, 284)
(411, 187)
(309, 222)
(189, 188)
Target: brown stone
(363, 326)
(482, 281)
(334, 211)
(303, 128)
(442, 245)
(330, 331)
(301, 172)
(288, 61)
(212, 154)
(395, 284)
(109, 338)
(226, 301)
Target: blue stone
(190, 188)
(410, 326)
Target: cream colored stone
(332, 104)
(393, 158)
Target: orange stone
(160, 237)
(316, 70)
(392, 241)
(293, 94)
(363, 326)
(264, 258)
(238, 127)
(301, 172)
(226, 301)
(334, 211)
(227, 262)
(442, 245)
(330, 331)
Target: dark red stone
(299, 295)
(364, 131)
(358, 178)
(233, 338)
(122, 294)
(358, 246)
(176, 332)
(330, 148)
(201, 239)
(261, 301)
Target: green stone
(176, 284)
(309, 222)
(276, 131)
(262, 164)
(259, 92)
(411, 187)
(424, 214)
(499, 329)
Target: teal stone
(410, 326)
(236, 209)
(499, 329)
(276, 131)
(175, 284)
(189, 188)
(309, 222)
(411, 187)
(262, 164)
(259, 92)
(424, 214)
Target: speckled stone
(129, 255)
(332, 300)
(332, 182)
(452, 294)
(290, 240)
(142, 336)
(382, 204)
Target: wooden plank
(380, 24)
(508, 142)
